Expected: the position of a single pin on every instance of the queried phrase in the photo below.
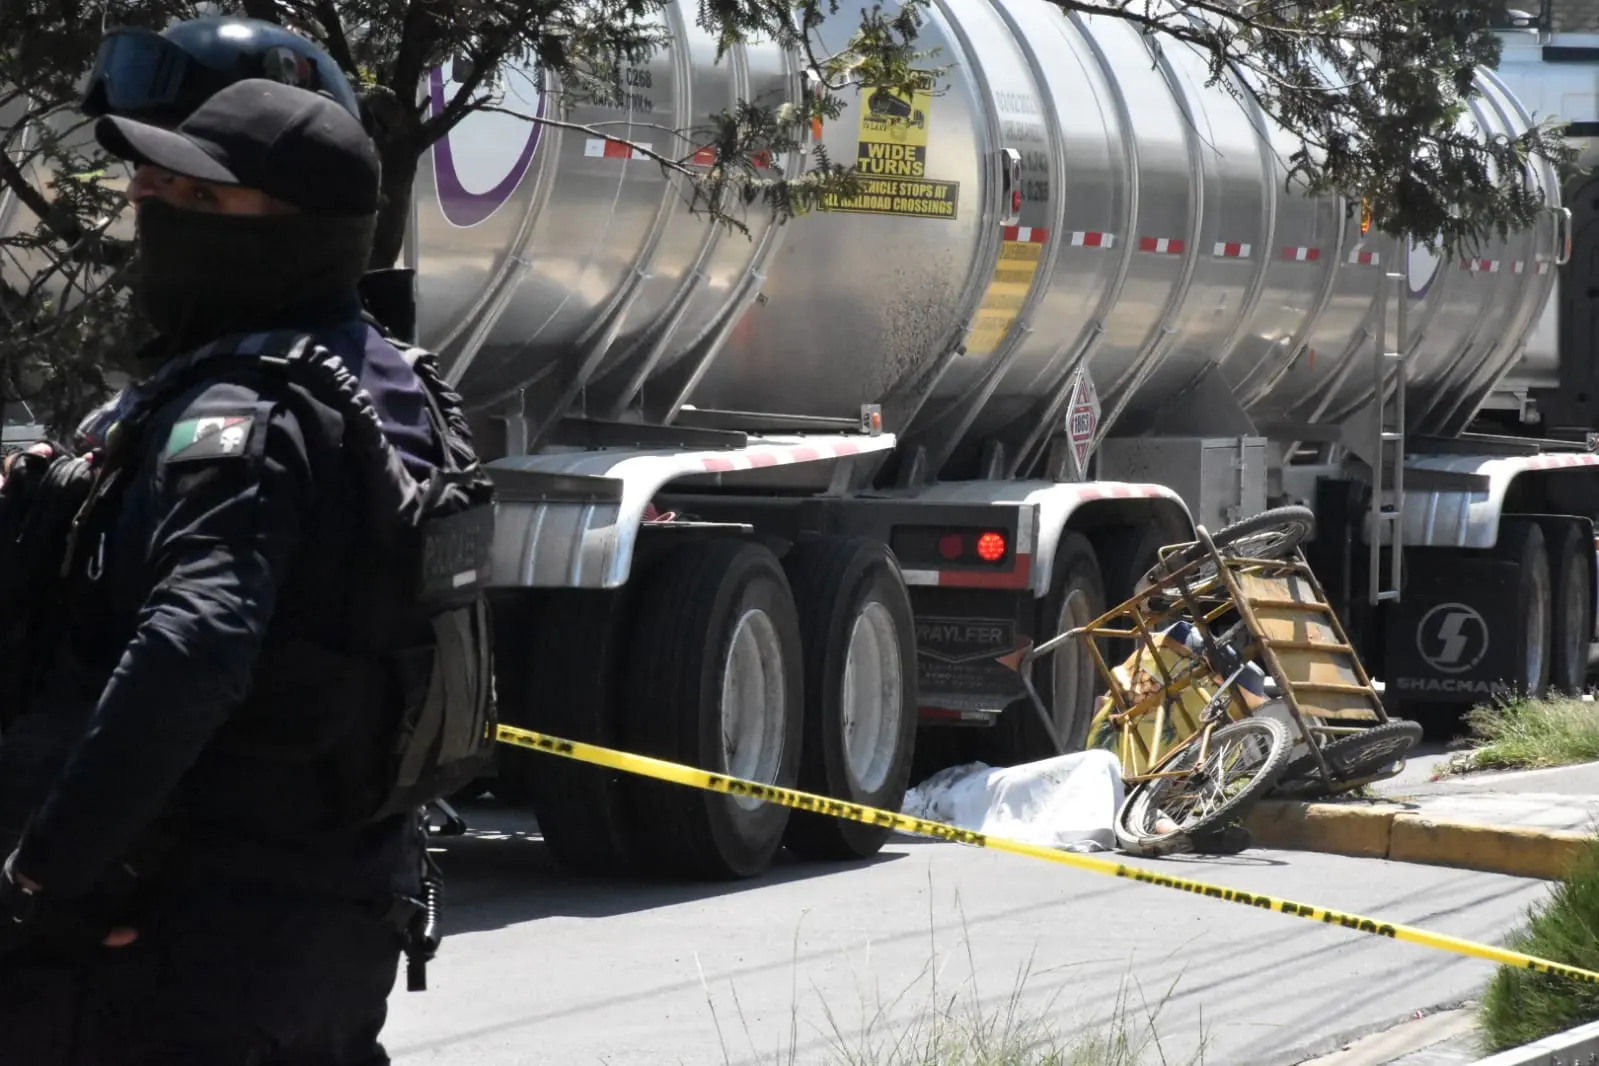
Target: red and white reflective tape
(1115, 490)
(1365, 259)
(1521, 267)
(706, 157)
(1553, 462)
(1090, 239)
(758, 457)
(605, 148)
(1161, 245)
(1231, 250)
(1018, 578)
(1484, 266)
(1026, 234)
(1301, 254)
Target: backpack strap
(444, 403)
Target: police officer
(162, 77)
(261, 927)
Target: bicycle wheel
(1353, 758)
(1243, 761)
(1270, 535)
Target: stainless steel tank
(1154, 243)
(1150, 240)
(562, 273)
(1568, 93)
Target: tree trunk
(394, 217)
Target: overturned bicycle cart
(1188, 712)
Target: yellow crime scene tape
(676, 773)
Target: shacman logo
(1452, 638)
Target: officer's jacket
(238, 525)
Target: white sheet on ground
(1069, 801)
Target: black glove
(37, 918)
(18, 912)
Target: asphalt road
(542, 967)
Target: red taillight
(991, 547)
(952, 546)
(1015, 201)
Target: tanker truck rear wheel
(715, 681)
(561, 648)
(1521, 541)
(1571, 572)
(1067, 680)
(1126, 553)
(859, 638)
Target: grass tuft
(1520, 1006)
(957, 1027)
(961, 1031)
(1529, 734)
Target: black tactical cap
(298, 146)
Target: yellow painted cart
(1188, 712)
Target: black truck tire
(859, 638)
(1067, 680)
(1126, 553)
(1521, 541)
(707, 612)
(567, 645)
(1571, 573)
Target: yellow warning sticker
(891, 160)
(893, 137)
(1007, 290)
(884, 196)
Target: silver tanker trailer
(768, 503)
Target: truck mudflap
(1464, 511)
(961, 643)
(571, 519)
(1451, 637)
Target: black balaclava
(202, 275)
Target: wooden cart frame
(1282, 621)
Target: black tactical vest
(409, 673)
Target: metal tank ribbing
(560, 271)
(1156, 245)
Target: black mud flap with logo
(960, 638)
(1452, 637)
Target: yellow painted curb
(1379, 830)
(1519, 851)
(1338, 829)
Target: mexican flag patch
(209, 438)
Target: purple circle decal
(1423, 272)
(461, 206)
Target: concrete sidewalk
(1523, 823)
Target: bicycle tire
(1270, 535)
(1135, 818)
(1356, 756)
